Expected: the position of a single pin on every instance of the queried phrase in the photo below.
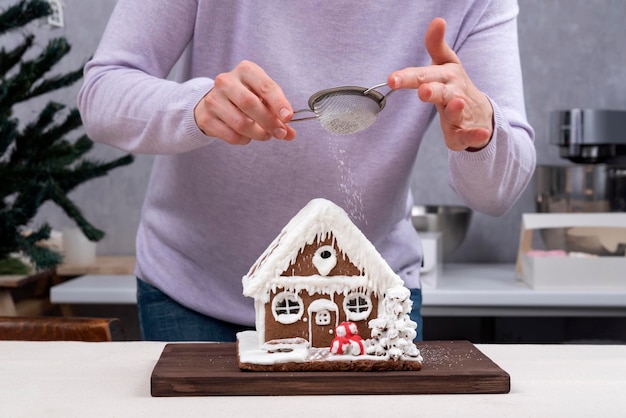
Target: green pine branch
(22, 13)
(90, 169)
(49, 139)
(23, 85)
(11, 58)
(55, 83)
(8, 133)
(46, 258)
(38, 162)
(59, 196)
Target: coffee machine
(590, 136)
(595, 141)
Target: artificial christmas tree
(38, 163)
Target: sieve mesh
(346, 112)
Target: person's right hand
(465, 113)
(245, 104)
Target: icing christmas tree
(393, 331)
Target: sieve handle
(304, 118)
(377, 86)
(382, 101)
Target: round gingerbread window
(287, 307)
(325, 259)
(357, 306)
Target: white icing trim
(287, 318)
(314, 223)
(251, 352)
(325, 265)
(322, 304)
(329, 285)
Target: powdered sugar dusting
(344, 123)
(347, 184)
(346, 112)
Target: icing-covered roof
(318, 220)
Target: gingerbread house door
(323, 318)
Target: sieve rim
(374, 95)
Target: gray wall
(572, 56)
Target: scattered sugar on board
(438, 357)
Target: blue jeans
(416, 314)
(163, 319)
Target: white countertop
(96, 289)
(494, 289)
(62, 379)
(462, 290)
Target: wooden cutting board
(210, 369)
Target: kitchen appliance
(594, 140)
(590, 136)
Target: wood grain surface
(211, 369)
(122, 265)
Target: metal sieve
(347, 109)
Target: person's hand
(243, 105)
(465, 112)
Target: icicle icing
(315, 222)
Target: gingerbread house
(321, 270)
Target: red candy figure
(347, 340)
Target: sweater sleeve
(492, 179)
(126, 99)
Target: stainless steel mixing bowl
(452, 221)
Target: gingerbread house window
(325, 259)
(357, 306)
(287, 307)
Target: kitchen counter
(462, 290)
(60, 379)
(495, 290)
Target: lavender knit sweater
(212, 208)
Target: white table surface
(73, 379)
(462, 290)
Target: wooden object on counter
(61, 329)
(39, 303)
(33, 306)
(111, 265)
(202, 369)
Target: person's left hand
(465, 112)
